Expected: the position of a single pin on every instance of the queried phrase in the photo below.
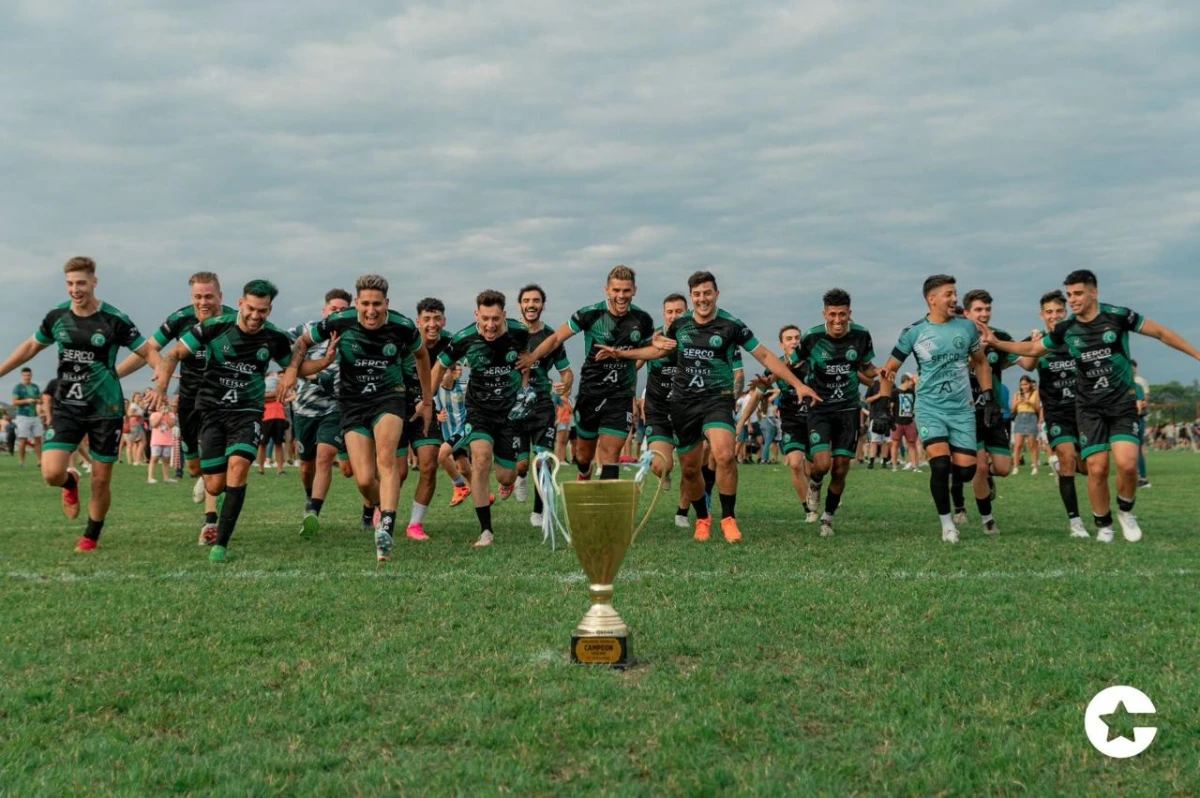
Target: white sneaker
(826, 527)
(1129, 526)
(87, 468)
(171, 480)
(681, 521)
(1034, 471)
(990, 528)
(1054, 464)
(1078, 530)
(908, 466)
(198, 490)
(1015, 470)
(520, 491)
(810, 517)
(1104, 534)
(485, 539)
(151, 481)
(895, 469)
(271, 464)
(535, 520)
(949, 535)
(960, 518)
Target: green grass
(880, 661)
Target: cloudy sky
(789, 147)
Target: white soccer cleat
(535, 519)
(826, 527)
(960, 517)
(1054, 464)
(1104, 534)
(1129, 526)
(520, 491)
(990, 528)
(198, 490)
(485, 539)
(1078, 530)
(682, 522)
(810, 517)
(949, 534)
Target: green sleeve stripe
(1047, 341)
(562, 364)
(751, 345)
(137, 343)
(159, 338)
(574, 327)
(285, 360)
(444, 359)
(189, 340)
(42, 339)
(1141, 321)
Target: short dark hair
(431, 305)
(260, 288)
(338, 293)
(371, 282)
(835, 298)
(1053, 296)
(702, 277)
(80, 263)
(489, 299)
(1085, 276)
(935, 281)
(26, 370)
(976, 295)
(676, 297)
(531, 287)
(785, 328)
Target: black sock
(1103, 520)
(585, 469)
(316, 504)
(939, 483)
(387, 521)
(71, 482)
(308, 493)
(832, 500)
(93, 529)
(956, 493)
(610, 471)
(701, 508)
(991, 487)
(538, 504)
(1124, 505)
(484, 514)
(1066, 489)
(210, 518)
(681, 511)
(368, 514)
(984, 505)
(710, 478)
(230, 511)
(728, 505)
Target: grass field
(880, 661)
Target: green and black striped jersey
(87, 357)
(236, 367)
(370, 362)
(494, 380)
(1103, 359)
(610, 379)
(191, 368)
(707, 354)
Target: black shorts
(228, 433)
(658, 422)
(1061, 426)
(504, 435)
(414, 437)
(795, 434)
(189, 429)
(837, 431)
(1100, 426)
(691, 418)
(70, 425)
(274, 430)
(359, 415)
(538, 430)
(603, 415)
(995, 440)
(312, 431)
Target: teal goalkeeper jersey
(942, 352)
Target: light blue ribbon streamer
(545, 482)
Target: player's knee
(344, 467)
(940, 466)
(193, 469)
(966, 473)
(724, 459)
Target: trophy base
(609, 650)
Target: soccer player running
(88, 400)
(538, 429)
(793, 417)
(1056, 387)
(992, 442)
(604, 406)
(660, 435)
(1097, 336)
(369, 343)
(425, 443)
(945, 346)
(317, 421)
(231, 393)
(705, 340)
(492, 348)
(205, 290)
(838, 353)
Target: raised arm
(24, 352)
(1169, 337)
(776, 366)
(133, 361)
(560, 337)
(1033, 349)
(157, 395)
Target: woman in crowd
(1027, 410)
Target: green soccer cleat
(217, 554)
(311, 524)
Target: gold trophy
(600, 519)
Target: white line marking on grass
(632, 575)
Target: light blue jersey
(453, 402)
(942, 352)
